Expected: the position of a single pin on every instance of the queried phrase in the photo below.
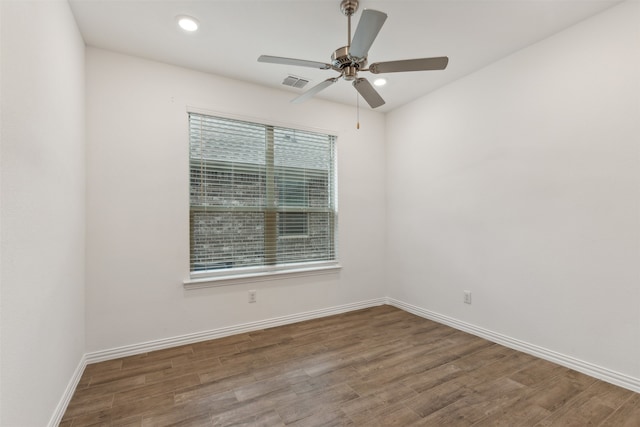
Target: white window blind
(260, 195)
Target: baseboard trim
(68, 393)
(604, 374)
(587, 368)
(130, 350)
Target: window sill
(239, 278)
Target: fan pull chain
(357, 110)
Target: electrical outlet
(467, 297)
(253, 296)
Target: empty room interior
(320, 212)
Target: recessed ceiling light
(380, 82)
(187, 23)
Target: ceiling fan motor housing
(341, 59)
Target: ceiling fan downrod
(341, 58)
(348, 8)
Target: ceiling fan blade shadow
(292, 61)
(368, 28)
(317, 88)
(367, 91)
(419, 64)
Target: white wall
(42, 197)
(521, 183)
(138, 205)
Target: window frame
(236, 275)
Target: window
(261, 197)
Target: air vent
(294, 81)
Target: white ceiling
(232, 34)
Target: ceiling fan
(352, 58)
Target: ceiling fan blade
(367, 91)
(368, 28)
(317, 88)
(421, 64)
(293, 61)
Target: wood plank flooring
(375, 367)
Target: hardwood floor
(375, 367)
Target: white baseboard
(587, 368)
(604, 374)
(129, 350)
(68, 394)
